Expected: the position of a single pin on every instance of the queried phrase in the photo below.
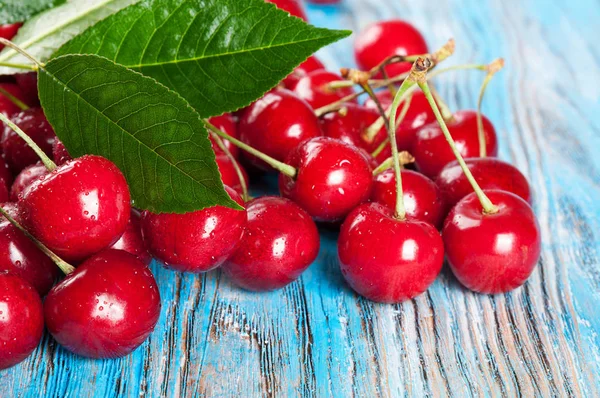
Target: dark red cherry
(7, 107)
(385, 38)
(106, 308)
(17, 152)
(228, 173)
(292, 6)
(432, 152)
(21, 320)
(8, 31)
(422, 198)
(311, 64)
(276, 124)
(132, 241)
(492, 253)
(27, 176)
(280, 242)
(313, 88)
(195, 242)
(6, 180)
(226, 123)
(28, 84)
(490, 173)
(79, 208)
(387, 260)
(60, 153)
(19, 255)
(350, 125)
(332, 178)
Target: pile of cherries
(333, 158)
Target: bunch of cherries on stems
(339, 162)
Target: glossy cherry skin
(195, 242)
(19, 255)
(6, 180)
(8, 31)
(350, 125)
(106, 308)
(21, 319)
(280, 242)
(292, 6)
(132, 240)
(27, 176)
(313, 88)
(332, 178)
(432, 152)
(228, 173)
(311, 64)
(276, 124)
(422, 198)
(17, 152)
(385, 38)
(490, 173)
(79, 208)
(492, 253)
(226, 123)
(60, 153)
(387, 260)
(29, 90)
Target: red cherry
(17, 152)
(313, 88)
(20, 256)
(332, 178)
(492, 253)
(490, 173)
(195, 242)
(280, 242)
(21, 320)
(432, 152)
(6, 180)
(276, 124)
(387, 260)
(8, 31)
(79, 208)
(291, 6)
(7, 107)
(227, 124)
(106, 308)
(350, 125)
(29, 90)
(60, 153)
(27, 176)
(422, 198)
(312, 63)
(228, 174)
(132, 241)
(385, 38)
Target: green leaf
(220, 55)
(43, 34)
(148, 131)
(12, 11)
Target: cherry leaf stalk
(492, 69)
(23, 106)
(236, 165)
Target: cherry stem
(36, 64)
(65, 267)
(492, 68)
(444, 108)
(382, 112)
(374, 128)
(283, 168)
(488, 206)
(23, 106)
(405, 158)
(50, 165)
(236, 166)
(32, 68)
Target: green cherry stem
(492, 68)
(23, 106)
(50, 165)
(31, 68)
(374, 128)
(65, 267)
(405, 158)
(444, 108)
(283, 168)
(36, 64)
(488, 206)
(235, 164)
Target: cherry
(17, 152)
(228, 124)
(291, 6)
(8, 31)
(313, 88)
(349, 125)
(195, 242)
(385, 259)
(132, 241)
(492, 253)
(21, 320)
(228, 173)
(60, 153)
(422, 198)
(280, 242)
(490, 173)
(29, 90)
(432, 152)
(332, 178)
(386, 38)
(276, 124)
(28, 175)
(311, 64)
(6, 180)
(7, 106)
(79, 208)
(106, 308)
(20, 256)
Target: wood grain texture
(315, 338)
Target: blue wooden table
(316, 338)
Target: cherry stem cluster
(36, 64)
(23, 106)
(492, 68)
(405, 158)
(236, 166)
(50, 165)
